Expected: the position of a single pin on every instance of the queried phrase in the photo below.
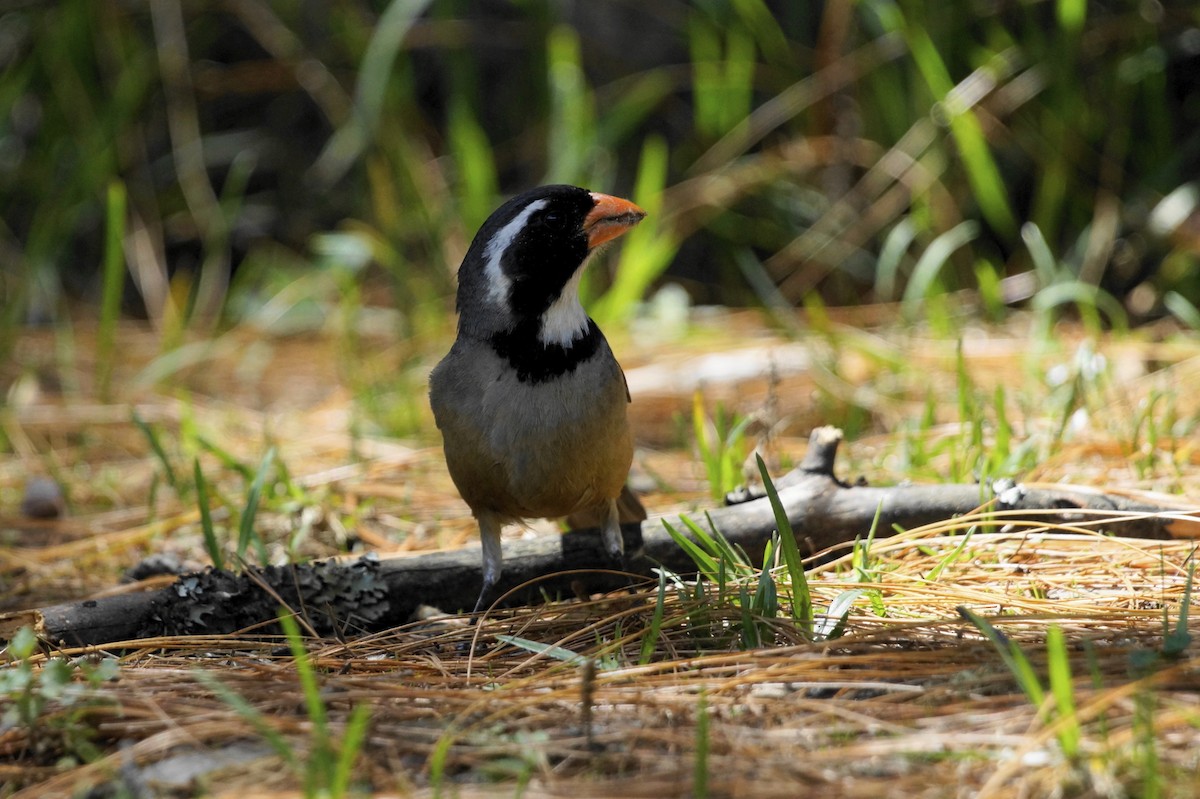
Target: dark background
(243, 132)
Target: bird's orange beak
(611, 217)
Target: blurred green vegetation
(837, 152)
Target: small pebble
(43, 499)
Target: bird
(530, 400)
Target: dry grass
(913, 702)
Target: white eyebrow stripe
(498, 282)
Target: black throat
(537, 362)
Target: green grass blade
(374, 74)
(982, 173)
(722, 584)
(114, 286)
(256, 720)
(1088, 299)
(549, 650)
(833, 625)
(723, 65)
(1062, 690)
(700, 433)
(950, 558)
(719, 547)
(1026, 676)
(1071, 15)
(737, 80)
(1002, 448)
(226, 458)
(1177, 640)
(650, 641)
(991, 290)
(1044, 263)
(710, 543)
(705, 563)
(766, 596)
(320, 765)
(437, 760)
(206, 523)
(750, 637)
(637, 101)
(351, 747)
(802, 607)
(761, 21)
(246, 531)
(733, 453)
(705, 53)
(309, 686)
(861, 558)
(477, 182)
(157, 447)
(1012, 655)
(572, 128)
(1182, 309)
(887, 268)
(931, 263)
(717, 446)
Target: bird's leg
(614, 541)
(493, 557)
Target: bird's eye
(554, 221)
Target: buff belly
(532, 450)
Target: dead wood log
(339, 597)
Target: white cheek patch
(498, 282)
(565, 320)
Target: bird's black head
(524, 263)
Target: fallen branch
(338, 597)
